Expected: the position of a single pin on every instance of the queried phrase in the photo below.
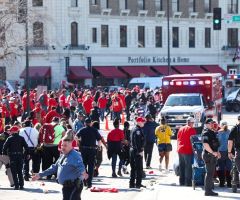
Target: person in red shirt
(51, 114)
(114, 141)
(102, 104)
(39, 114)
(43, 100)
(13, 110)
(52, 102)
(185, 152)
(63, 99)
(117, 106)
(87, 105)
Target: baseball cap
(140, 119)
(190, 119)
(209, 121)
(88, 120)
(14, 129)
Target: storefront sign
(156, 60)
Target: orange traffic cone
(106, 124)
(123, 118)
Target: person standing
(128, 100)
(185, 152)
(136, 154)
(43, 100)
(88, 136)
(4, 159)
(210, 156)
(78, 122)
(150, 138)
(70, 171)
(13, 147)
(163, 134)
(114, 141)
(31, 137)
(224, 163)
(234, 143)
(95, 112)
(102, 104)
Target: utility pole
(27, 58)
(168, 35)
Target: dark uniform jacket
(137, 140)
(235, 136)
(210, 137)
(14, 145)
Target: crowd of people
(65, 120)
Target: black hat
(88, 120)
(209, 121)
(148, 116)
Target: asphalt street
(159, 184)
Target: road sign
(236, 18)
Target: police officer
(30, 135)
(234, 140)
(136, 154)
(69, 168)
(88, 137)
(210, 156)
(4, 160)
(14, 148)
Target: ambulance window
(204, 102)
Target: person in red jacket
(87, 105)
(185, 152)
(43, 100)
(117, 106)
(51, 114)
(39, 114)
(63, 99)
(52, 102)
(102, 104)
(13, 110)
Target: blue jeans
(102, 111)
(185, 169)
(114, 163)
(117, 115)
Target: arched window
(38, 34)
(74, 34)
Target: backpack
(46, 134)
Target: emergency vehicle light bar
(191, 83)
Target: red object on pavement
(110, 190)
(151, 172)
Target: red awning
(79, 72)
(37, 72)
(214, 69)
(189, 69)
(109, 71)
(164, 70)
(137, 71)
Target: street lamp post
(27, 58)
(168, 37)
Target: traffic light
(217, 18)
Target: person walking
(136, 154)
(88, 136)
(185, 152)
(163, 134)
(114, 140)
(13, 147)
(210, 156)
(150, 139)
(31, 137)
(4, 159)
(70, 171)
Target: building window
(104, 4)
(232, 37)
(141, 4)
(175, 37)
(74, 3)
(159, 5)
(232, 6)
(191, 37)
(94, 2)
(94, 35)
(123, 4)
(141, 36)
(2, 36)
(207, 37)
(192, 6)
(74, 34)
(208, 6)
(158, 36)
(175, 6)
(104, 35)
(37, 3)
(123, 36)
(38, 34)
(21, 17)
